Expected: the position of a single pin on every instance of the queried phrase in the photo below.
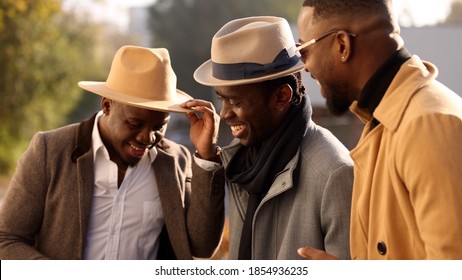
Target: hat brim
(203, 75)
(164, 106)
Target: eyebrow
(230, 95)
(136, 119)
(223, 95)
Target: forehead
(308, 25)
(305, 18)
(135, 113)
(240, 91)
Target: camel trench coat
(408, 184)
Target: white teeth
(236, 128)
(136, 148)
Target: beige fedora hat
(141, 77)
(250, 50)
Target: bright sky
(412, 12)
(422, 12)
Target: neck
(378, 39)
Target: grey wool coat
(308, 203)
(46, 210)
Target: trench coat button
(382, 248)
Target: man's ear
(283, 96)
(344, 41)
(106, 105)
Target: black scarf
(254, 168)
(375, 88)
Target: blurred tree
(44, 52)
(455, 15)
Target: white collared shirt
(125, 222)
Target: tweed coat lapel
(171, 191)
(83, 156)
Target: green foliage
(186, 28)
(44, 52)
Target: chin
(132, 161)
(337, 103)
(337, 110)
(244, 142)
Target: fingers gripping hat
(250, 50)
(141, 77)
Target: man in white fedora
(112, 187)
(289, 180)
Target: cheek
(116, 128)
(320, 64)
(326, 74)
(243, 114)
(123, 135)
(316, 66)
(260, 124)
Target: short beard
(337, 100)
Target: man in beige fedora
(112, 187)
(289, 180)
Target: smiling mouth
(236, 128)
(138, 151)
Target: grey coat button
(382, 248)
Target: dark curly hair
(294, 80)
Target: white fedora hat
(141, 77)
(250, 50)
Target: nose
(146, 137)
(226, 110)
(303, 59)
(156, 139)
(304, 65)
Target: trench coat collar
(391, 109)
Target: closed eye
(133, 125)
